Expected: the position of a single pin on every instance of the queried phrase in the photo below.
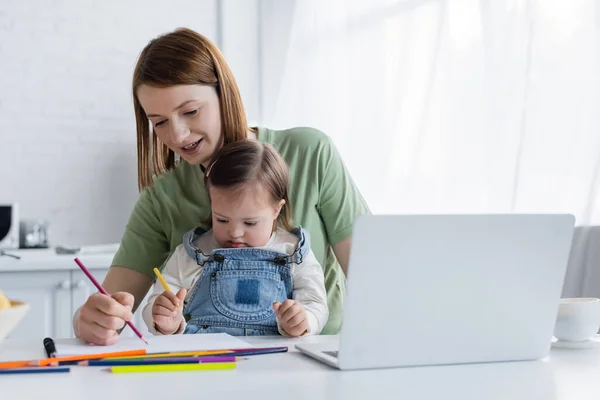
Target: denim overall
(237, 287)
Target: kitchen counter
(48, 260)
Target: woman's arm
(145, 245)
(340, 201)
(342, 253)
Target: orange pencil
(14, 364)
(49, 361)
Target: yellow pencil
(162, 280)
(125, 369)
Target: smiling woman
(187, 103)
(192, 128)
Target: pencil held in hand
(163, 282)
(103, 291)
(166, 312)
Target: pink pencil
(101, 289)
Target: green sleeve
(144, 244)
(340, 201)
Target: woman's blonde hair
(183, 57)
(250, 162)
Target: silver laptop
(450, 289)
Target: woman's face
(186, 118)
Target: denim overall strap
(297, 257)
(303, 245)
(189, 238)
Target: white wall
(276, 19)
(240, 44)
(67, 132)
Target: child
(252, 273)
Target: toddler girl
(252, 273)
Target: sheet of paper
(156, 344)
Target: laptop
(450, 289)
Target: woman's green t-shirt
(323, 197)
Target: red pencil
(101, 289)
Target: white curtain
(455, 106)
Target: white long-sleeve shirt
(181, 271)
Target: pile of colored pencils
(139, 361)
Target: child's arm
(172, 275)
(309, 291)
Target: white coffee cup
(578, 319)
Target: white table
(566, 374)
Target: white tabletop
(566, 374)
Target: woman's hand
(102, 316)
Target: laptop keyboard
(331, 353)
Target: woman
(184, 89)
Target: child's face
(243, 217)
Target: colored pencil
(48, 370)
(257, 351)
(101, 289)
(49, 361)
(155, 361)
(124, 369)
(163, 282)
(58, 360)
(252, 351)
(14, 364)
(198, 353)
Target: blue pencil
(36, 370)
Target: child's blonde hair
(247, 162)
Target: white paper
(156, 344)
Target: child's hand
(292, 317)
(165, 314)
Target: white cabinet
(49, 297)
